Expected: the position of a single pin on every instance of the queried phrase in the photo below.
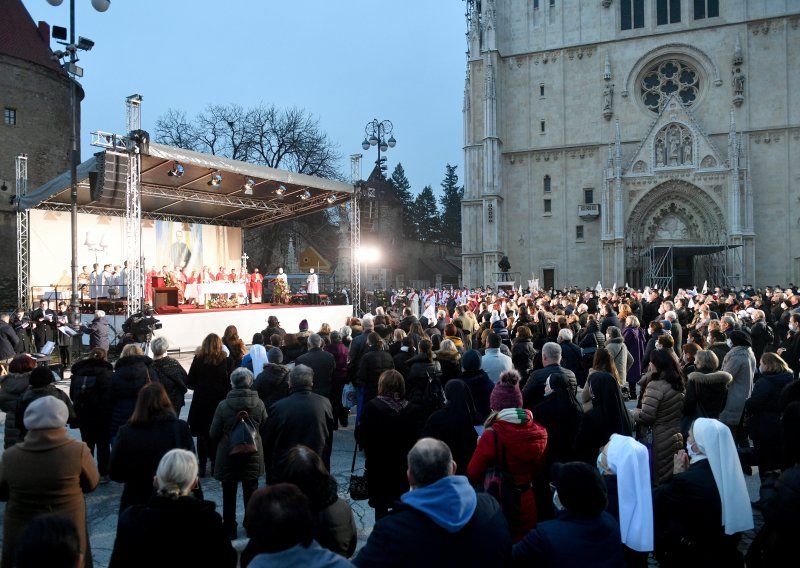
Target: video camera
(141, 323)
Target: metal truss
(659, 271)
(166, 192)
(134, 277)
(23, 234)
(288, 211)
(355, 232)
(110, 212)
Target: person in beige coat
(660, 412)
(47, 473)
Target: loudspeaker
(108, 188)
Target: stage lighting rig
(215, 180)
(331, 199)
(305, 196)
(176, 171)
(248, 186)
(281, 191)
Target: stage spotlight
(280, 191)
(305, 196)
(331, 199)
(248, 186)
(176, 171)
(215, 180)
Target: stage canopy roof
(190, 197)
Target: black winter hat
(580, 487)
(41, 377)
(471, 360)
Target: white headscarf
(258, 355)
(630, 461)
(714, 439)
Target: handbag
(359, 489)
(349, 396)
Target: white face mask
(793, 326)
(729, 343)
(692, 454)
(557, 502)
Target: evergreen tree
(451, 198)
(426, 216)
(402, 188)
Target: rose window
(667, 78)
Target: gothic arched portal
(672, 213)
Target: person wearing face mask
(625, 466)
(763, 413)
(700, 512)
(790, 347)
(583, 533)
(741, 364)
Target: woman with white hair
(625, 465)
(700, 512)
(171, 373)
(155, 533)
(241, 403)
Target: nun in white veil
(631, 500)
(700, 512)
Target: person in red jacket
(521, 442)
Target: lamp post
(379, 133)
(366, 255)
(74, 71)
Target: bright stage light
(215, 180)
(305, 196)
(280, 191)
(368, 254)
(176, 171)
(331, 199)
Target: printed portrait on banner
(179, 244)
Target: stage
(186, 330)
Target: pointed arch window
(547, 185)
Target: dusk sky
(345, 61)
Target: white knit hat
(46, 412)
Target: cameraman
(140, 325)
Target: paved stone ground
(103, 503)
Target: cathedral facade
(649, 142)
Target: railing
(589, 210)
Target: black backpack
(85, 393)
(430, 395)
(242, 439)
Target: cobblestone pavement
(103, 503)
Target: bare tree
(289, 139)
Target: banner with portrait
(179, 245)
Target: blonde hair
(131, 349)
(774, 364)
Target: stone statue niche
(673, 146)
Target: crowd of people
(597, 427)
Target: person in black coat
(533, 391)
(208, 377)
(455, 424)
(706, 390)
(156, 533)
(761, 334)
(443, 522)
(334, 525)
(656, 330)
(375, 361)
(561, 415)
(24, 330)
(45, 325)
(609, 318)
(406, 352)
(691, 526)
(388, 428)
(272, 384)
(322, 363)
(90, 389)
(583, 533)
(571, 356)
(132, 371)
(478, 382)
(422, 368)
(303, 417)
(763, 412)
(607, 416)
(153, 430)
(522, 351)
(170, 373)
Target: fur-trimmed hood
(712, 378)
